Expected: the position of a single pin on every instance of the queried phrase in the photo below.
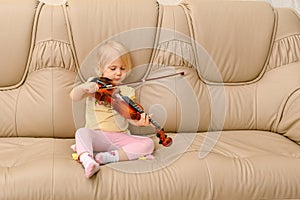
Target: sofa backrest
(236, 56)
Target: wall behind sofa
(295, 4)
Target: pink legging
(91, 141)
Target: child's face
(116, 71)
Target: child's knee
(149, 145)
(80, 132)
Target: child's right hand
(90, 87)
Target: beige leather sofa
(234, 116)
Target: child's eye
(112, 68)
(123, 68)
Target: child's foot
(91, 169)
(103, 158)
(89, 164)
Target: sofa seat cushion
(250, 165)
(243, 161)
(29, 166)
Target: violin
(126, 107)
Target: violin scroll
(163, 138)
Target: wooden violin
(126, 107)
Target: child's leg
(126, 147)
(137, 146)
(83, 139)
(84, 147)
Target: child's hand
(84, 90)
(144, 120)
(90, 87)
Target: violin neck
(155, 123)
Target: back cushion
(236, 35)
(16, 19)
(132, 23)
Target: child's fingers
(144, 120)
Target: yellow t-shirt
(100, 115)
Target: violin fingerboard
(132, 104)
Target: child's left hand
(144, 120)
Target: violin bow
(149, 79)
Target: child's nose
(118, 71)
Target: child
(106, 131)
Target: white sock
(89, 164)
(107, 157)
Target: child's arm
(84, 90)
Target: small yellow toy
(75, 156)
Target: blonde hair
(110, 51)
